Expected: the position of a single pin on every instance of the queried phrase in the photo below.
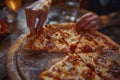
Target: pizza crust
(85, 47)
(70, 68)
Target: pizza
(91, 42)
(93, 56)
(105, 63)
(55, 38)
(70, 68)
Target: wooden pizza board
(12, 68)
(27, 65)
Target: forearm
(107, 20)
(111, 19)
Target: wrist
(105, 20)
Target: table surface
(20, 27)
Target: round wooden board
(27, 65)
(12, 69)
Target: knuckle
(93, 22)
(89, 20)
(82, 18)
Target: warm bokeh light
(13, 5)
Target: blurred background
(13, 20)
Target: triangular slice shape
(70, 68)
(105, 63)
(92, 41)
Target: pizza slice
(57, 34)
(105, 63)
(91, 42)
(105, 41)
(35, 42)
(49, 40)
(54, 38)
(66, 35)
(71, 37)
(70, 68)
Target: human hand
(89, 22)
(37, 10)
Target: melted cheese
(61, 46)
(39, 44)
(56, 35)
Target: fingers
(88, 22)
(95, 28)
(83, 18)
(33, 21)
(28, 19)
(31, 16)
(41, 22)
(90, 26)
(34, 11)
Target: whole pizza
(90, 55)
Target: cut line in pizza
(90, 55)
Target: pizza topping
(100, 61)
(88, 37)
(100, 47)
(95, 42)
(91, 67)
(50, 45)
(70, 68)
(61, 46)
(115, 69)
(56, 35)
(102, 76)
(65, 35)
(86, 49)
(62, 41)
(73, 47)
(73, 59)
(91, 62)
(88, 75)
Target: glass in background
(70, 11)
(54, 15)
(64, 12)
(13, 5)
(11, 10)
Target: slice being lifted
(54, 38)
(105, 63)
(70, 68)
(96, 56)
